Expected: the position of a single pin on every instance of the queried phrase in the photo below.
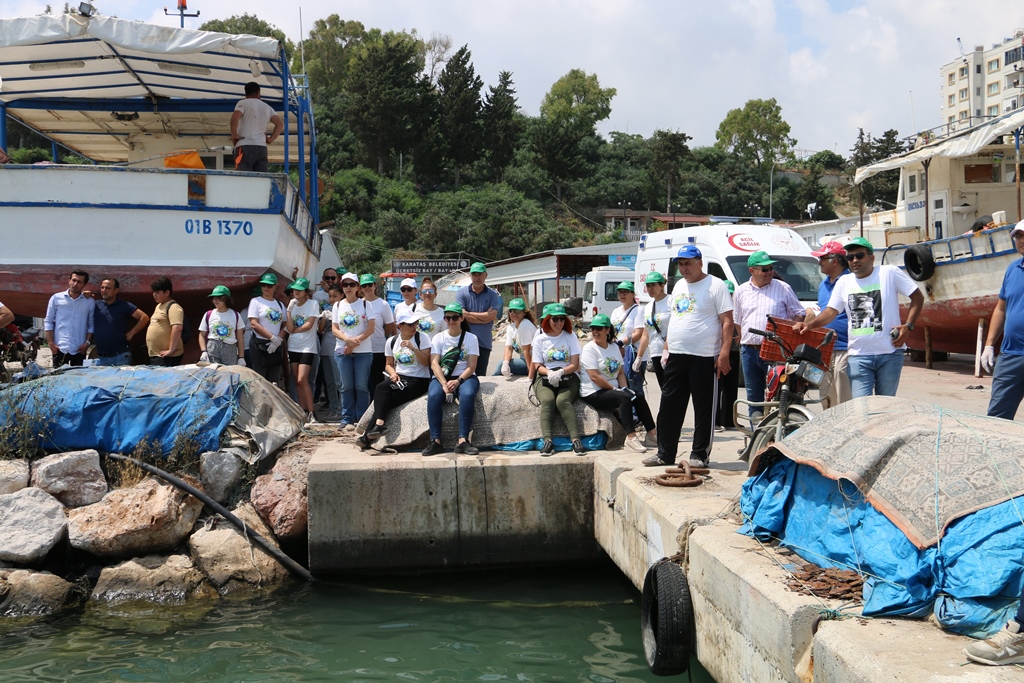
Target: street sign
(628, 260)
(445, 265)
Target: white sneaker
(651, 439)
(1005, 647)
(634, 444)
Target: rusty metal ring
(678, 480)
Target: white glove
(241, 361)
(664, 357)
(275, 344)
(204, 357)
(988, 358)
(506, 369)
(637, 363)
(555, 376)
(327, 315)
(291, 305)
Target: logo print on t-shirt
(427, 325)
(221, 330)
(299, 320)
(405, 357)
(349, 320)
(684, 304)
(865, 311)
(610, 367)
(557, 353)
(273, 315)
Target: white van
(725, 247)
(599, 290)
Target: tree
(828, 160)
(386, 89)
(458, 89)
(252, 25)
(884, 187)
(329, 52)
(559, 151)
(813, 192)
(436, 52)
(668, 148)
(577, 102)
(756, 133)
(503, 125)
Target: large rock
(32, 522)
(154, 578)
(220, 473)
(280, 496)
(149, 517)
(72, 478)
(24, 592)
(228, 559)
(14, 475)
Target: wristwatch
(910, 326)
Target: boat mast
(182, 6)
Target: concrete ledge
(404, 511)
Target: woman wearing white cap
(408, 370)
(353, 354)
(408, 302)
(429, 316)
(518, 339)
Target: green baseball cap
(300, 283)
(654, 278)
(453, 308)
(860, 242)
(730, 286)
(220, 290)
(367, 279)
(626, 286)
(268, 279)
(759, 258)
(478, 268)
(553, 309)
(600, 320)
(517, 305)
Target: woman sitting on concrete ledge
(518, 339)
(603, 385)
(556, 360)
(453, 359)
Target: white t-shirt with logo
(322, 298)
(656, 311)
(872, 307)
(625, 320)
(352, 321)
(304, 342)
(379, 310)
(430, 322)
(221, 327)
(407, 363)
(694, 326)
(607, 361)
(555, 352)
(443, 342)
(519, 336)
(269, 314)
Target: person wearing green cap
(222, 331)
(482, 306)
(628, 331)
(453, 380)
(656, 318)
(519, 336)
(761, 296)
(266, 318)
(556, 362)
(870, 296)
(300, 320)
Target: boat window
(982, 173)
(1011, 173)
(939, 203)
(912, 183)
(799, 272)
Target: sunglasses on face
(349, 284)
(330, 278)
(558, 318)
(451, 318)
(428, 291)
(767, 269)
(367, 285)
(857, 255)
(266, 285)
(408, 289)
(598, 329)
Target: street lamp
(625, 222)
(675, 207)
(771, 188)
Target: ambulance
(725, 244)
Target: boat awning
(962, 144)
(96, 84)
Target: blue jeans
(878, 375)
(354, 371)
(516, 365)
(754, 371)
(115, 361)
(467, 407)
(1007, 387)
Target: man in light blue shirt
(69, 322)
(481, 306)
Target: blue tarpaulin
(115, 409)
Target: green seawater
(567, 623)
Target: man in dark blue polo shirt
(114, 320)
(1008, 318)
(481, 306)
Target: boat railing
(986, 244)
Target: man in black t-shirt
(114, 320)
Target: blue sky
(833, 65)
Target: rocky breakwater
(76, 527)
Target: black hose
(287, 562)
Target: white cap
(1017, 228)
(350, 276)
(407, 316)
(408, 282)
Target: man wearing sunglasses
(756, 299)
(870, 296)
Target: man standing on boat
(833, 264)
(117, 322)
(481, 305)
(249, 130)
(1008, 320)
(68, 326)
(870, 296)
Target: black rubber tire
(765, 438)
(666, 620)
(919, 262)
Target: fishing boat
(131, 101)
(949, 180)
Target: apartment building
(983, 84)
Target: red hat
(828, 249)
